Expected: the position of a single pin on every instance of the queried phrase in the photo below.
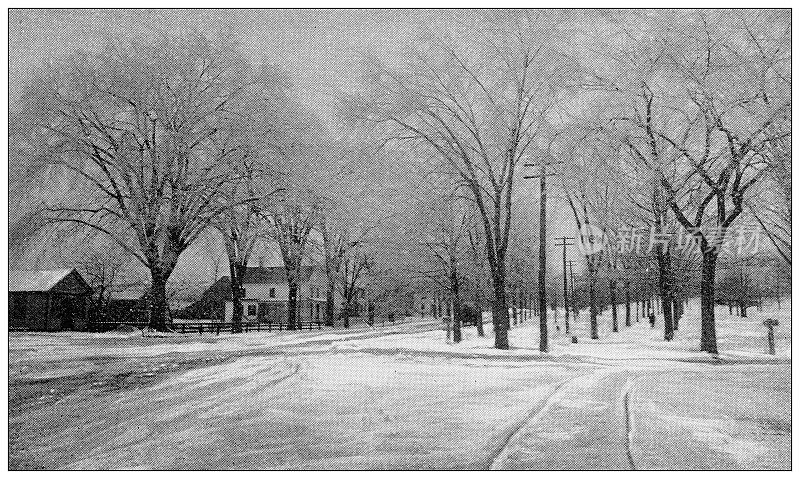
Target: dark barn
(47, 300)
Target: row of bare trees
(684, 123)
(159, 141)
(684, 128)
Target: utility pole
(572, 263)
(542, 175)
(564, 242)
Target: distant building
(47, 300)
(266, 296)
(431, 305)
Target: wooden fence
(207, 326)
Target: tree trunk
(499, 311)
(627, 304)
(665, 290)
(666, 309)
(291, 323)
(479, 310)
(592, 301)
(612, 291)
(456, 309)
(677, 311)
(329, 307)
(237, 276)
(159, 309)
(708, 334)
(371, 313)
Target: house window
(272, 292)
(251, 309)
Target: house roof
(272, 274)
(35, 280)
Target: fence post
(770, 323)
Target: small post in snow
(770, 324)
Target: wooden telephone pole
(564, 242)
(572, 263)
(542, 175)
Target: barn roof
(35, 280)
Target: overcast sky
(321, 49)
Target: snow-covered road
(403, 400)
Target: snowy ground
(738, 338)
(402, 397)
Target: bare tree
(105, 272)
(243, 227)
(478, 272)
(147, 130)
(700, 109)
(772, 205)
(582, 162)
(478, 109)
(355, 266)
(291, 219)
(442, 226)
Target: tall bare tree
(292, 216)
(243, 227)
(701, 107)
(277, 127)
(147, 130)
(443, 221)
(478, 106)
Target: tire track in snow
(626, 392)
(500, 455)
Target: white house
(266, 295)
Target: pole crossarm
(542, 165)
